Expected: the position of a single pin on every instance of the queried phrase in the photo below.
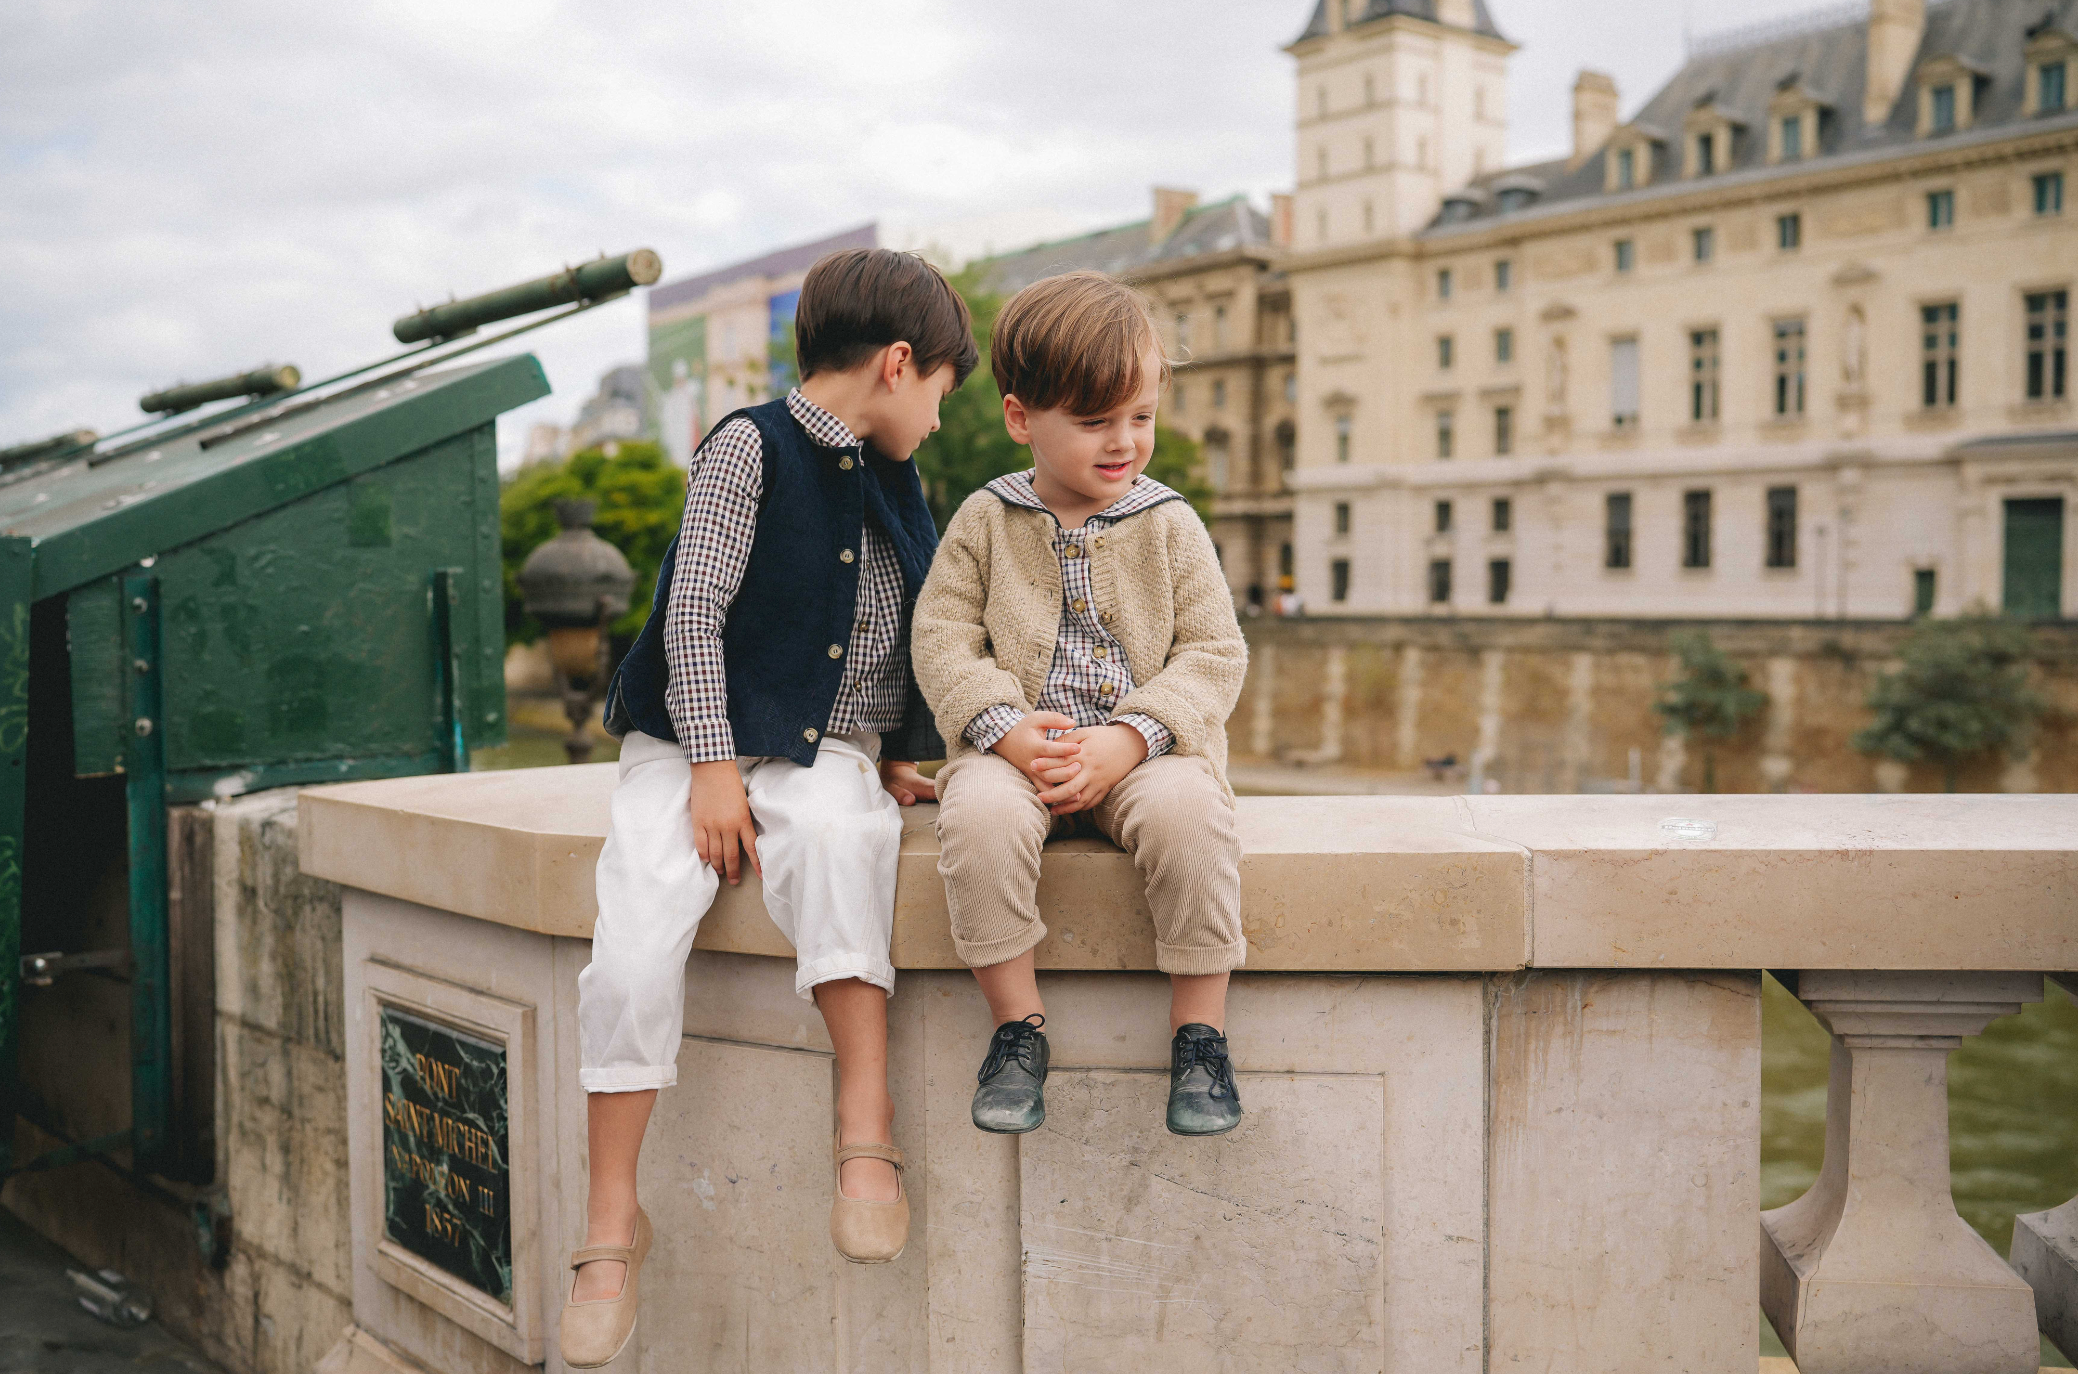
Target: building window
(1443, 283)
(1284, 560)
(1341, 438)
(1702, 375)
(1616, 530)
(1623, 383)
(1219, 394)
(1626, 255)
(1922, 592)
(1940, 210)
(1443, 517)
(1444, 349)
(1497, 582)
(1504, 431)
(1504, 345)
(1626, 168)
(1705, 240)
(2048, 330)
(1789, 367)
(1291, 387)
(1939, 333)
(1943, 110)
(1695, 529)
(1792, 137)
(1219, 328)
(1782, 527)
(1342, 517)
(2049, 193)
(1504, 514)
(1706, 154)
(1446, 435)
(1183, 329)
(1504, 275)
(2049, 88)
(1439, 581)
(1789, 232)
(1338, 580)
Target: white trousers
(828, 838)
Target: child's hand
(721, 820)
(1109, 752)
(1028, 747)
(905, 784)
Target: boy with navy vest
(769, 719)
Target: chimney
(1895, 28)
(1170, 206)
(1281, 219)
(1594, 115)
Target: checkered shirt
(721, 521)
(1089, 674)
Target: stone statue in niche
(1555, 376)
(1853, 349)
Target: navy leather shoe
(1202, 1096)
(1012, 1097)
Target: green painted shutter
(2035, 558)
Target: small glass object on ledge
(1688, 828)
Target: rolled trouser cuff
(984, 953)
(1194, 960)
(810, 976)
(628, 1080)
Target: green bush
(641, 499)
(1710, 701)
(1959, 693)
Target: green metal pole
(16, 564)
(151, 1003)
(447, 670)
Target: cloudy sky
(193, 187)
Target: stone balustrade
(1500, 1055)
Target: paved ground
(43, 1330)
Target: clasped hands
(1078, 770)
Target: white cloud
(192, 188)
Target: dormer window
(1629, 162)
(1711, 135)
(1796, 122)
(1948, 89)
(1516, 192)
(1791, 135)
(2051, 54)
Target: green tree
(971, 447)
(1709, 702)
(641, 498)
(1960, 692)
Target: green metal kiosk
(292, 590)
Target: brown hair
(1074, 341)
(858, 301)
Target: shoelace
(1212, 1053)
(1013, 1040)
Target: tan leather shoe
(595, 1333)
(864, 1231)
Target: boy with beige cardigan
(1077, 643)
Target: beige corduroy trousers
(1170, 814)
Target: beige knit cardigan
(990, 612)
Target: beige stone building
(1792, 342)
(1213, 274)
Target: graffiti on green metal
(14, 680)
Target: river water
(2012, 1113)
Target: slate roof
(1830, 62)
(1126, 248)
(1317, 26)
(777, 263)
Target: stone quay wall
(275, 1294)
(1544, 706)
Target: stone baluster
(1872, 1271)
(2045, 1251)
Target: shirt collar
(1016, 489)
(823, 427)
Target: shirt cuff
(989, 727)
(706, 741)
(1159, 740)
